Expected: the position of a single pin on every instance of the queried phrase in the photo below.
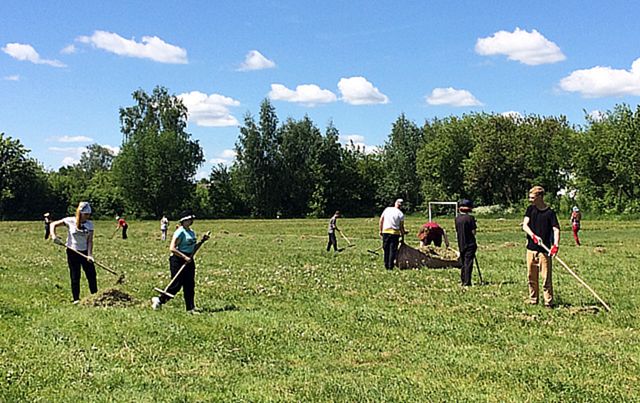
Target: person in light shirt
(391, 232)
(79, 238)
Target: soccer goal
(442, 208)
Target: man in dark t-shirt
(542, 228)
(466, 232)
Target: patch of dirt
(509, 245)
(109, 297)
(599, 249)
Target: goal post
(437, 203)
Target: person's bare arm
(173, 247)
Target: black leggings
(186, 281)
(76, 261)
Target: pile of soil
(410, 258)
(109, 297)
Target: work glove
(57, 241)
(553, 251)
(536, 239)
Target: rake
(205, 237)
(120, 279)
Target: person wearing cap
(164, 225)
(576, 216)
(47, 225)
(79, 238)
(466, 234)
(432, 232)
(122, 224)
(391, 227)
(182, 247)
(333, 227)
(542, 228)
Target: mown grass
(283, 320)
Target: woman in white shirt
(79, 238)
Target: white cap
(399, 201)
(575, 208)
(84, 207)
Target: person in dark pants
(391, 231)
(47, 225)
(80, 238)
(183, 246)
(466, 232)
(122, 224)
(333, 227)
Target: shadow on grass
(226, 308)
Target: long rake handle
(578, 278)
(345, 237)
(110, 270)
(185, 264)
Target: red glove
(553, 251)
(536, 239)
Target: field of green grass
(283, 320)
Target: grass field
(283, 320)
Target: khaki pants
(538, 262)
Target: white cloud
(358, 141)
(597, 116)
(530, 48)
(256, 61)
(226, 157)
(151, 47)
(515, 115)
(14, 77)
(359, 91)
(74, 139)
(24, 52)
(69, 49)
(75, 151)
(306, 94)
(209, 110)
(453, 97)
(604, 81)
(68, 161)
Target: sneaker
(193, 311)
(155, 303)
(76, 302)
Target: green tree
(439, 165)
(223, 198)
(607, 161)
(96, 159)
(299, 145)
(257, 163)
(158, 159)
(327, 171)
(23, 187)
(401, 179)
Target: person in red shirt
(576, 216)
(430, 233)
(122, 224)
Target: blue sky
(67, 67)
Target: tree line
(295, 169)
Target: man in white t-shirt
(391, 231)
